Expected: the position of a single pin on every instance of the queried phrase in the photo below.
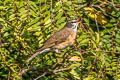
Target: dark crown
(69, 23)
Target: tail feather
(40, 51)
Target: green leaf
(32, 13)
(23, 12)
(61, 20)
(118, 49)
(37, 25)
(6, 34)
(57, 8)
(2, 20)
(23, 17)
(47, 22)
(61, 26)
(34, 21)
(47, 13)
(33, 6)
(117, 40)
(75, 74)
(112, 20)
(87, 21)
(74, 65)
(37, 33)
(107, 36)
(59, 15)
(97, 38)
(84, 41)
(109, 25)
(2, 7)
(25, 34)
(12, 17)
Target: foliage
(26, 24)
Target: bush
(26, 25)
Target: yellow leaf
(101, 18)
(91, 15)
(75, 58)
(95, 15)
(65, 0)
(58, 3)
(104, 21)
(88, 9)
(3, 57)
(15, 33)
(104, 2)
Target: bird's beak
(78, 22)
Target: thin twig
(40, 76)
(8, 75)
(97, 25)
(64, 10)
(54, 71)
(23, 71)
(81, 6)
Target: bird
(60, 40)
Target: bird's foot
(56, 50)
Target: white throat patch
(74, 28)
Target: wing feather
(57, 38)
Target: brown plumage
(55, 40)
(59, 40)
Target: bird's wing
(57, 38)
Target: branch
(40, 76)
(23, 71)
(81, 6)
(54, 71)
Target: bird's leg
(55, 50)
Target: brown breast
(69, 41)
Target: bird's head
(73, 24)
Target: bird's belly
(66, 43)
(62, 45)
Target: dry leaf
(75, 58)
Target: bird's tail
(40, 51)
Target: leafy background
(26, 24)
